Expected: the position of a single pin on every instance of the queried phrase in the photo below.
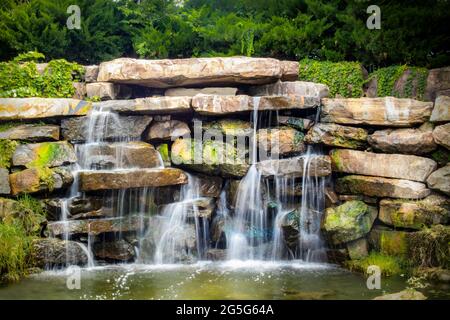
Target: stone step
(382, 165)
(31, 132)
(38, 108)
(387, 111)
(300, 88)
(195, 71)
(219, 105)
(150, 105)
(320, 166)
(125, 179)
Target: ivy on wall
(20, 77)
(344, 79)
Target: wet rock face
(132, 127)
(45, 154)
(335, 135)
(280, 141)
(189, 72)
(116, 251)
(320, 166)
(36, 180)
(440, 180)
(349, 221)
(55, 252)
(408, 141)
(31, 132)
(441, 135)
(382, 165)
(37, 108)
(386, 111)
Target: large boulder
(30, 132)
(54, 252)
(112, 128)
(318, 166)
(416, 141)
(280, 141)
(440, 180)
(168, 130)
(4, 181)
(190, 92)
(219, 105)
(149, 105)
(438, 83)
(441, 109)
(39, 180)
(135, 178)
(299, 88)
(387, 111)
(38, 108)
(134, 154)
(45, 154)
(441, 135)
(335, 135)
(381, 187)
(382, 165)
(191, 72)
(349, 221)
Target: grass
(389, 265)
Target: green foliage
(389, 265)
(414, 86)
(431, 247)
(344, 79)
(20, 77)
(7, 148)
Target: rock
(54, 252)
(382, 165)
(4, 181)
(190, 92)
(409, 141)
(441, 135)
(209, 186)
(218, 105)
(107, 91)
(45, 154)
(289, 224)
(31, 132)
(229, 127)
(299, 88)
(38, 108)
(381, 187)
(91, 73)
(134, 178)
(191, 72)
(296, 123)
(150, 105)
(335, 135)
(440, 180)
(319, 166)
(441, 109)
(430, 247)
(7, 207)
(438, 83)
(216, 254)
(211, 157)
(434, 209)
(39, 180)
(289, 70)
(113, 128)
(387, 111)
(331, 198)
(349, 221)
(280, 141)
(366, 199)
(407, 294)
(357, 249)
(80, 90)
(96, 226)
(118, 250)
(196, 208)
(168, 130)
(134, 154)
(390, 242)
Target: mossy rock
(46, 154)
(232, 127)
(388, 265)
(389, 242)
(349, 221)
(7, 149)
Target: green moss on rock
(7, 148)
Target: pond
(209, 280)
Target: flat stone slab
(335, 135)
(300, 88)
(151, 105)
(381, 187)
(38, 108)
(190, 92)
(387, 111)
(125, 179)
(195, 71)
(319, 166)
(31, 132)
(36, 180)
(218, 105)
(382, 165)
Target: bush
(344, 79)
